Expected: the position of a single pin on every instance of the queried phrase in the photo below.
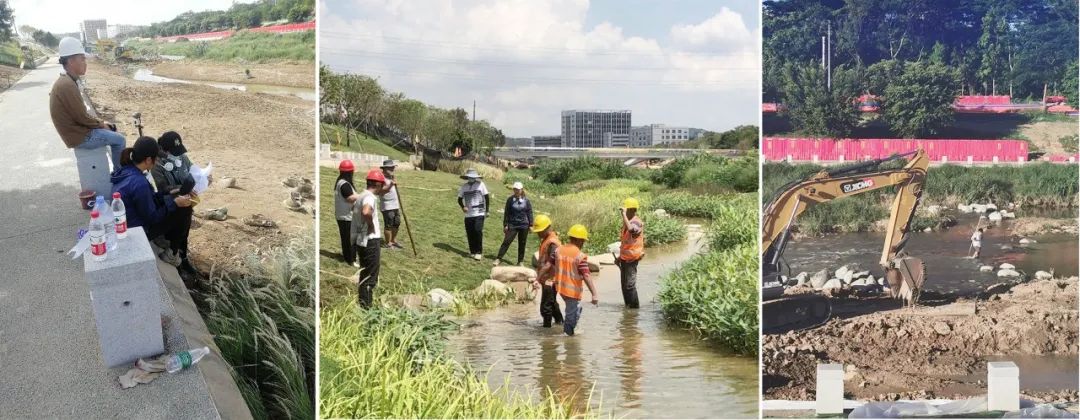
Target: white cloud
(526, 60)
(62, 16)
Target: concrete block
(830, 388)
(93, 166)
(125, 295)
(1002, 386)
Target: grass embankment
(10, 53)
(264, 323)
(247, 46)
(358, 141)
(1031, 185)
(391, 363)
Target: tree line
(239, 16)
(359, 103)
(917, 56)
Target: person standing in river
(517, 218)
(547, 255)
(976, 242)
(474, 201)
(631, 250)
(571, 272)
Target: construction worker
(473, 198)
(631, 249)
(344, 197)
(367, 235)
(571, 275)
(389, 206)
(549, 246)
(73, 114)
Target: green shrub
(569, 171)
(248, 46)
(735, 175)
(716, 295)
(735, 223)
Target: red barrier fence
(212, 36)
(833, 150)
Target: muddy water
(146, 75)
(948, 269)
(635, 364)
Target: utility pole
(828, 56)
(474, 110)
(823, 52)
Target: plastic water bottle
(107, 219)
(185, 359)
(97, 237)
(119, 216)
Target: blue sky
(682, 62)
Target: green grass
(392, 364)
(263, 320)
(1069, 143)
(358, 142)
(1034, 184)
(243, 46)
(10, 54)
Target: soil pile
(928, 352)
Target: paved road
(50, 363)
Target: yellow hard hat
(579, 231)
(540, 223)
(630, 203)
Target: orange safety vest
(630, 248)
(569, 282)
(552, 238)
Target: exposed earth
(278, 74)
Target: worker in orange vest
(572, 274)
(549, 246)
(631, 250)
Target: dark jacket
(518, 216)
(170, 180)
(144, 207)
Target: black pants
(175, 228)
(474, 231)
(348, 250)
(522, 234)
(628, 278)
(369, 271)
(549, 308)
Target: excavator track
(795, 313)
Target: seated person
(158, 213)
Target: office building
(657, 134)
(88, 30)
(587, 128)
(121, 29)
(547, 141)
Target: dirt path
(282, 74)
(929, 351)
(257, 139)
(9, 75)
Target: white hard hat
(70, 46)
(518, 186)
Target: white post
(1002, 386)
(815, 158)
(841, 158)
(971, 160)
(830, 388)
(944, 159)
(995, 159)
(789, 158)
(1020, 160)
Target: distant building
(102, 34)
(88, 30)
(547, 141)
(116, 31)
(519, 142)
(656, 134)
(587, 128)
(616, 140)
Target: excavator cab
(904, 274)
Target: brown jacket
(68, 112)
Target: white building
(121, 29)
(616, 140)
(656, 134)
(588, 128)
(88, 29)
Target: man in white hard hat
(73, 114)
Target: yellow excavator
(904, 274)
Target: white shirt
(359, 225)
(472, 195)
(976, 238)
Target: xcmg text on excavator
(904, 274)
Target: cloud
(524, 61)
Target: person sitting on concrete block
(158, 213)
(73, 114)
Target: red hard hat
(346, 166)
(376, 175)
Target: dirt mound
(926, 351)
(257, 139)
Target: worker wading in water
(546, 260)
(631, 250)
(571, 270)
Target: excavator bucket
(906, 279)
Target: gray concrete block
(125, 295)
(93, 165)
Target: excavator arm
(904, 274)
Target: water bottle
(97, 237)
(119, 216)
(107, 219)
(185, 359)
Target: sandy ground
(8, 76)
(258, 139)
(1046, 135)
(929, 351)
(283, 74)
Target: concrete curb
(215, 371)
